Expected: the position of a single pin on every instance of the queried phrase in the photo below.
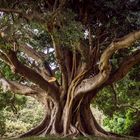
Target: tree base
(83, 124)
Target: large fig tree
(62, 52)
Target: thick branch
(124, 68)
(104, 67)
(44, 70)
(33, 76)
(32, 53)
(8, 10)
(15, 87)
(61, 62)
(4, 58)
(33, 16)
(90, 84)
(84, 51)
(121, 43)
(55, 5)
(19, 12)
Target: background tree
(43, 43)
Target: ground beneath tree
(80, 138)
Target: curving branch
(8, 10)
(28, 17)
(124, 67)
(16, 11)
(42, 77)
(44, 70)
(121, 43)
(4, 58)
(33, 76)
(18, 88)
(60, 60)
(88, 85)
(38, 56)
(86, 55)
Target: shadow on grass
(80, 138)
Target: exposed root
(81, 122)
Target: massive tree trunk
(70, 119)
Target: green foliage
(115, 124)
(58, 75)
(32, 113)
(7, 73)
(127, 92)
(70, 31)
(15, 128)
(2, 124)
(122, 123)
(121, 105)
(105, 101)
(29, 114)
(9, 103)
(9, 99)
